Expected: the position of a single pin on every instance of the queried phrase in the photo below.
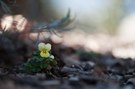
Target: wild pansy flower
(44, 49)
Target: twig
(5, 7)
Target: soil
(77, 69)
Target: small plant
(41, 60)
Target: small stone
(131, 81)
(41, 76)
(51, 83)
(74, 78)
(128, 87)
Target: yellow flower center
(44, 53)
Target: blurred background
(102, 26)
(99, 15)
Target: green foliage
(38, 63)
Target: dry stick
(5, 7)
(53, 31)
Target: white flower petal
(48, 47)
(52, 56)
(41, 46)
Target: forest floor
(79, 67)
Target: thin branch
(54, 25)
(5, 7)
